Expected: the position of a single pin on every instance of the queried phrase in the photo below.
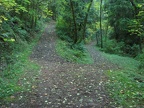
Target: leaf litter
(63, 84)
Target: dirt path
(63, 84)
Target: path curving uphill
(67, 85)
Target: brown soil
(63, 84)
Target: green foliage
(19, 72)
(113, 47)
(18, 22)
(62, 30)
(131, 51)
(90, 34)
(7, 89)
(19, 17)
(73, 53)
(72, 18)
(125, 19)
(140, 57)
(126, 85)
(9, 78)
(136, 28)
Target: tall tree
(101, 24)
(74, 21)
(73, 18)
(120, 14)
(18, 18)
(86, 18)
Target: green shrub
(62, 30)
(140, 57)
(90, 35)
(17, 62)
(73, 53)
(113, 47)
(132, 51)
(62, 27)
(18, 67)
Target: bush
(17, 65)
(90, 35)
(64, 37)
(112, 47)
(132, 51)
(140, 57)
(73, 53)
(62, 30)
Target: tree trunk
(74, 21)
(140, 44)
(106, 31)
(97, 40)
(85, 20)
(136, 11)
(101, 24)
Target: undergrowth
(73, 53)
(111, 46)
(10, 77)
(126, 85)
(19, 75)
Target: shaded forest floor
(62, 84)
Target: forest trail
(63, 84)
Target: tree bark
(74, 21)
(101, 24)
(86, 18)
(140, 44)
(136, 11)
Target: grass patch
(10, 77)
(19, 75)
(75, 53)
(126, 85)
